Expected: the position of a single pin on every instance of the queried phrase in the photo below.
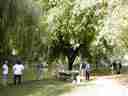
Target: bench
(68, 75)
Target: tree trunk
(70, 63)
(71, 58)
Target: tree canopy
(50, 30)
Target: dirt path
(102, 86)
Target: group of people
(116, 67)
(17, 68)
(84, 73)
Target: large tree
(72, 29)
(50, 28)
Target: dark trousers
(87, 75)
(17, 79)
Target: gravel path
(102, 86)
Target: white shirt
(18, 69)
(5, 69)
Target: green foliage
(20, 29)
(75, 29)
(47, 29)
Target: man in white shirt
(18, 72)
(5, 73)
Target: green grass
(36, 88)
(32, 87)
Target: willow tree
(7, 19)
(19, 28)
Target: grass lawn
(32, 87)
(36, 88)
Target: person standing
(119, 66)
(18, 72)
(87, 71)
(114, 65)
(82, 69)
(39, 69)
(5, 73)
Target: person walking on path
(119, 66)
(18, 72)
(87, 71)
(5, 73)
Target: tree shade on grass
(36, 88)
